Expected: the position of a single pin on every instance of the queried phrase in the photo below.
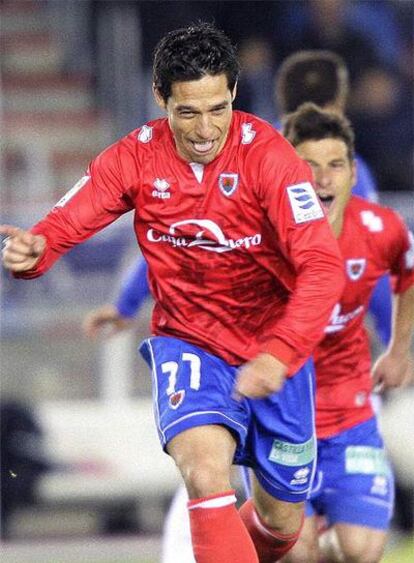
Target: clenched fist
(260, 377)
(21, 249)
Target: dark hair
(311, 123)
(191, 53)
(320, 77)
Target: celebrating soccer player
(244, 270)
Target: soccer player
(244, 270)
(353, 487)
(322, 77)
(319, 76)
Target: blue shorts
(354, 483)
(275, 436)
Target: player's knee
(284, 517)
(203, 479)
(362, 553)
(304, 551)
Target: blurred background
(83, 477)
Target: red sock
(217, 531)
(270, 544)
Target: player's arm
(395, 366)
(380, 306)
(119, 316)
(312, 251)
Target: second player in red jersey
(354, 484)
(373, 241)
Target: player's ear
(354, 173)
(233, 94)
(158, 98)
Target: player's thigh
(359, 544)
(281, 445)
(192, 388)
(305, 549)
(281, 515)
(358, 484)
(204, 456)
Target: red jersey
(374, 241)
(241, 258)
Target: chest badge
(355, 267)
(228, 182)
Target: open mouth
(326, 200)
(202, 147)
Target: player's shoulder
(375, 217)
(149, 135)
(257, 135)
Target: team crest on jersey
(228, 182)
(355, 268)
(145, 134)
(177, 398)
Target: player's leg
(358, 495)
(176, 536)
(284, 445)
(353, 544)
(200, 426)
(204, 457)
(306, 549)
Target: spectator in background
(381, 107)
(22, 460)
(324, 25)
(256, 82)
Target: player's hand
(105, 319)
(392, 370)
(22, 250)
(260, 377)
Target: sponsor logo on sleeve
(355, 267)
(372, 221)
(145, 134)
(248, 133)
(73, 191)
(228, 182)
(304, 203)
(409, 255)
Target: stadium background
(75, 75)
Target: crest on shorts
(228, 182)
(355, 268)
(177, 398)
